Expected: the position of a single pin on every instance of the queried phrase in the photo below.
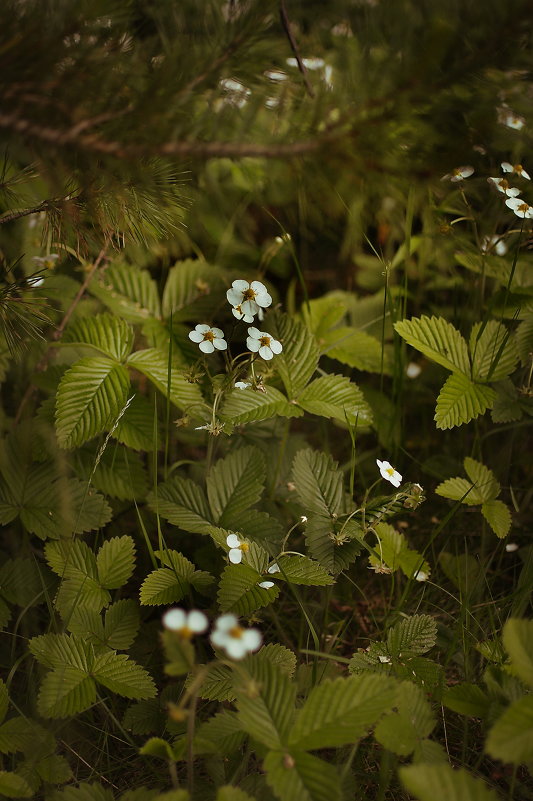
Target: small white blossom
(389, 473)
(303, 519)
(208, 338)
(511, 547)
(185, 623)
(458, 174)
(274, 568)
(420, 575)
(246, 299)
(309, 63)
(276, 75)
(520, 207)
(242, 384)
(236, 93)
(266, 585)
(510, 119)
(261, 342)
(384, 659)
(413, 370)
(237, 548)
(516, 168)
(493, 243)
(234, 639)
(48, 261)
(502, 185)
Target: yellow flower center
(244, 547)
(523, 207)
(504, 183)
(265, 342)
(518, 168)
(390, 471)
(185, 633)
(209, 336)
(248, 294)
(236, 632)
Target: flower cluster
(248, 299)
(227, 634)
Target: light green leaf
(277, 655)
(14, 786)
(116, 562)
(413, 635)
(460, 400)
(85, 792)
(120, 474)
(299, 358)
(355, 348)
(394, 551)
(235, 483)
(498, 516)
(460, 489)
(153, 363)
(494, 352)
(441, 781)
(483, 478)
(157, 747)
(265, 704)
(230, 793)
(163, 586)
(183, 503)
(62, 650)
(129, 292)
(467, 699)
(90, 397)
(437, 339)
(302, 570)
(337, 397)
(64, 692)
(136, 427)
(121, 624)
(318, 482)
(221, 734)
(239, 591)
(402, 731)
(340, 712)
(218, 684)
(249, 405)
(54, 769)
(333, 543)
(106, 333)
(298, 776)
(123, 676)
(86, 623)
(518, 642)
(511, 737)
(192, 287)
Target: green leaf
(22, 734)
(54, 769)
(179, 654)
(277, 655)
(163, 586)
(239, 591)
(75, 563)
(318, 482)
(333, 543)
(302, 570)
(90, 397)
(235, 483)
(183, 503)
(507, 406)
(460, 400)
(14, 786)
(265, 704)
(221, 734)
(84, 792)
(337, 397)
(518, 642)
(61, 650)
(355, 348)
(460, 489)
(20, 581)
(158, 747)
(413, 635)
(136, 427)
(192, 287)
(230, 793)
(299, 358)
(249, 405)
(298, 776)
(402, 732)
(467, 699)
(483, 478)
(441, 781)
(86, 623)
(106, 333)
(494, 352)
(340, 712)
(524, 339)
(116, 562)
(498, 516)
(153, 363)
(218, 684)
(511, 737)
(121, 624)
(437, 339)
(394, 551)
(64, 692)
(5, 614)
(120, 474)
(123, 676)
(129, 292)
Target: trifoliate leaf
(337, 397)
(106, 333)
(239, 591)
(395, 553)
(116, 562)
(62, 650)
(154, 364)
(413, 635)
(511, 737)
(437, 339)
(498, 516)
(460, 400)
(297, 776)
(493, 350)
(483, 478)
(235, 483)
(131, 293)
(429, 782)
(356, 349)
(460, 489)
(335, 544)
(183, 503)
(192, 287)
(249, 405)
(163, 586)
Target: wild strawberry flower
(186, 624)
(48, 261)
(507, 117)
(247, 298)
(502, 185)
(233, 638)
(242, 384)
(237, 548)
(516, 168)
(520, 207)
(421, 575)
(261, 342)
(208, 338)
(511, 547)
(458, 174)
(389, 473)
(493, 244)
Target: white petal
(420, 575)
(234, 297)
(265, 352)
(249, 307)
(242, 384)
(511, 547)
(506, 167)
(395, 480)
(235, 648)
(258, 287)
(196, 336)
(249, 318)
(275, 346)
(203, 328)
(525, 175)
(383, 465)
(197, 621)
(219, 638)
(253, 344)
(235, 556)
(254, 332)
(240, 285)
(413, 370)
(273, 568)
(266, 585)
(220, 344)
(252, 639)
(218, 333)
(513, 203)
(226, 622)
(512, 192)
(465, 172)
(174, 619)
(263, 300)
(206, 346)
(233, 541)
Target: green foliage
(427, 782)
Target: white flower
(274, 568)
(516, 168)
(495, 243)
(384, 659)
(420, 575)
(309, 63)
(520, 207)
(458, 174)
(36, 280)
(502, 185)
(208, 338)
(511, 547)
(413, 370)
(237, 548)
(48, 261)
(236, 641)
(246, 298)
(236, 93)
(266, 585)
(510, 119)
(261, 342)
(303, 519)
(242, 384)
(185, 623)
(389, 473)
(276, 75)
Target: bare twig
(294, 47)
(9, 216)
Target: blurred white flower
(516, 168)
(413, 370)
(493, 243)
(502, 185)
(520, 207)
(458, 174)
(35, 280)
(236, 93)
(48, 261)
(234, 639)
(186, 624)
(510, 119)
(389, 473)
(511, 547)
(266, 585)
(242, 384)
(208, 338)
(237, 548)
(309, 63)
(420, 575)
(276, 75)
(384, 659)
(261, 342)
